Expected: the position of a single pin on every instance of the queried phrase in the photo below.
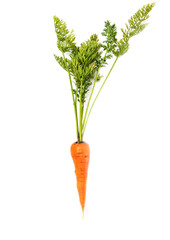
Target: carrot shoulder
(80, 153)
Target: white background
(128, 190)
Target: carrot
(83, 64)
(80, 153)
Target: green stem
(74, 102)
(93, 89)
(82, 111)
(99, 93)
(80, 114)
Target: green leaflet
(110, 33)
(61, 61)
(135, 25)
(65, 39)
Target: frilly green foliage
(65, 39)
(135, 25)
(109, 33)
(61, 61)
(83, 63)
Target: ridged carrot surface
(80, 153)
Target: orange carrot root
(80, 153)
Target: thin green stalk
(82, 111)
(74, 103)
(99, 93)
(80, 114)
(93, 89)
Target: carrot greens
(83, 63)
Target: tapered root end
(82, 214)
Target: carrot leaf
(135, 25)
(65, 38)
